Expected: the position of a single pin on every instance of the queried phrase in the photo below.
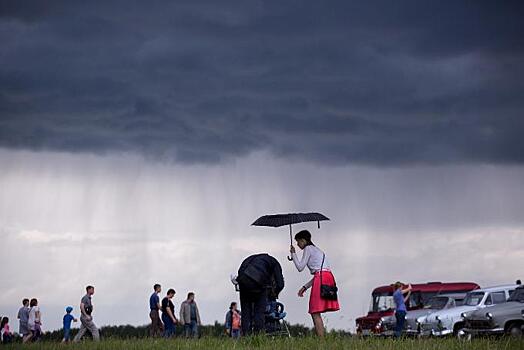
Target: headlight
(463, 315)
(382, 319)
(489, 315)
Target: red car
(382, 304)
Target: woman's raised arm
(300, 265)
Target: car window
(474, 298)
(518, 295)
(498, 297)
(488, 300)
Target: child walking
(233, 321)
(68, 318)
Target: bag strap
(322, 266)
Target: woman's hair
(232, 304)
(171, 291)
(305, 235)
(33, 302)
(5, 320)
(397, 285)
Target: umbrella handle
(290, 258)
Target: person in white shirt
(34, 322)
(318, 265)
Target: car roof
(452, 295)
(496, 288)
(442, 287)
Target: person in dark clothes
(258, 275)
(168, 314)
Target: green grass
(284, 344)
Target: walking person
(86, 317)
(23, 316)
(34, 322)
(189, 316)
(258, 274)
(233, 321)
(318, 265)
(154, 312)
(400, 306)
(168, 314)
(68, 318)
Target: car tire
(461, 335)
(515, 331)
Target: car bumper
(491, 331)
(370, 333)
(411, 332)
(441, 332)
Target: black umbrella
(278, 220)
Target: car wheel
(515, 331)
(461, 335)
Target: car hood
(454, 311)
(417, 313)
(512, 306)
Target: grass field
(283, 344)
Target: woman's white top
(312, 258)
(32, 316)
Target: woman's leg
(318, 323)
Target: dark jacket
(261, 272)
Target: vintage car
(506, 318)
(382, 305)
(451, 321)
(411, 326)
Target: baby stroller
(274, 319)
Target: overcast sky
(139, 141)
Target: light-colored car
(507, 318)
(411, 327)
(437, 303)
(451, 321)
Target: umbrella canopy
(278, 220)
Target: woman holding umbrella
(318, 265)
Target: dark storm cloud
(379, 83)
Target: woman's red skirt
(316, 303)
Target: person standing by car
(257, 275)
(86, 318)
(315, 260)
(189, 316)
(154, 309)
(400, 306)
(168, 314)
(23, 316)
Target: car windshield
(419, 299)
(518, 295)
(381, 302)
(473, 298)
(436, 303)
